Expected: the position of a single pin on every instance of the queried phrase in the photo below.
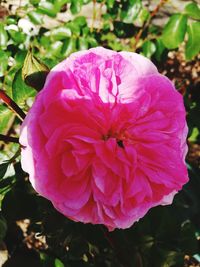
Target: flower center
(120, 137)
(120, 143)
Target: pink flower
(105, 140)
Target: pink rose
(105, 140)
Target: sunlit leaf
(59, 263)
(193, 44)
(17, 36)
(174, 31)
(3, 37)
(3, 62)
(160, 48)
(110, 3)
(192, 10)
(48, 9)
(148, 48)
(20, 90)
(130, 10)
(6, 119)
(61, 33)
(76, 6)
(69, 46)
(35, 17)
(83, 43)
(34, 72)
(34, 2)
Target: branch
(146, 24)
(12, 105)
(6, 138)
(93, 15)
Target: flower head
(105, 140)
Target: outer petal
(142, 64)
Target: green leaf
(80, 20)
(148, 49)
(3, 37)
(130, 10)
(11, 20)
(58, 263)
(110, 3)
(34, 72)
(174, 31)
(48, 9)
(192, 10)
(61, 33)
(194, 135)
(92, 41)
(34, 2)
(44, 41)
(69, 46)
(82, 43)
(60, 3)
(6, 119)
(56, 48)
(75, 28)
(17, 36)
(85, 31)
(160, 48)
(35, 17)
(20, 90)
(76, 6)
(3, 62)
(193, 45)
(3, 169)
(143, 16)
(20, 57)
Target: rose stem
(6, 138)
(12, 105)
(93, 16)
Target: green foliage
(35, 17)
(48, 9)
(20, 91)
(34, 74)
(6, 119)
(193, 11)
(130, 10)
(3, 37)
(76, 6)
(148, 48)
(192, 45)
(166, 234)
(174, 31)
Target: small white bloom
(27, 27)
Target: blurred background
(32, 233)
